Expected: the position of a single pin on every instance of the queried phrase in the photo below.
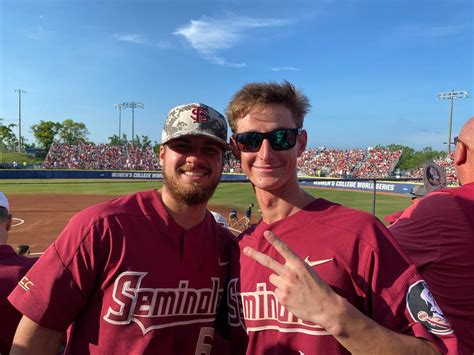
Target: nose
(265, 151)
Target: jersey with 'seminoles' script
(131, 279)
(356, 256)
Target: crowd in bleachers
(372, 162)
(376, 162)
(101, 157)
(380, 162)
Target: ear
(8, 223)
(301, 142)
(233, 147)
(460, 154)
(162, 153)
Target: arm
(31, 338)
(308, 297)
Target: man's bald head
(464, 153)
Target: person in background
(248, 215)
(23, 250)
(220, 219)
(12, 268)
(233, 216)
(142, 273)
(416, 192)
(334, 281)
(437, 234)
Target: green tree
(115, 140)
(146, 142)
(45, 132)
(8, 139)
(72, 133)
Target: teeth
(194, 173)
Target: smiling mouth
(194, 173)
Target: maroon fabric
(391, 218)
(132, 280)
(437, 233)
(12, 268)
(357, 258)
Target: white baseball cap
(4, 201)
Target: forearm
(362, 335)
(31, 338)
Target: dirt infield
(45, 215)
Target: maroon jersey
(131, 279)
(356, 256)
(437, 234)
(12, 268)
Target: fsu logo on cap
(424, 309)
(199, 114)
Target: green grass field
(231, 195)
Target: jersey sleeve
(57, 286)
(399, 299)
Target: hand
(298, 288)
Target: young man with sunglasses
(437, 234)
(143, 273)
(332, 281)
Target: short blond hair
(253, 94)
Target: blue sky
(371, 68)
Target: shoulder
(338, 217)
(132, 204)
(431, 206)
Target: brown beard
(192, 194)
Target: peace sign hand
(298, 288)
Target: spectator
(437, 232)
(144, 273)
(12, 268)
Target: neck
(465, 173)
(276, 206)
(186, 216)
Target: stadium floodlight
(133, 105)
(120, 107)
(451, 95)
(19, 91)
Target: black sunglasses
(279, 139)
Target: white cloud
(140, 39)
(285, 68)
(208, 36)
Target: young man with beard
(140, 274)
(335, 282)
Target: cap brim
(223, 143)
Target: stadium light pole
(133, 105)
(451, 95)
(120, 107)
(19, 91)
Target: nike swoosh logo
(316, 262)
(223, 263)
